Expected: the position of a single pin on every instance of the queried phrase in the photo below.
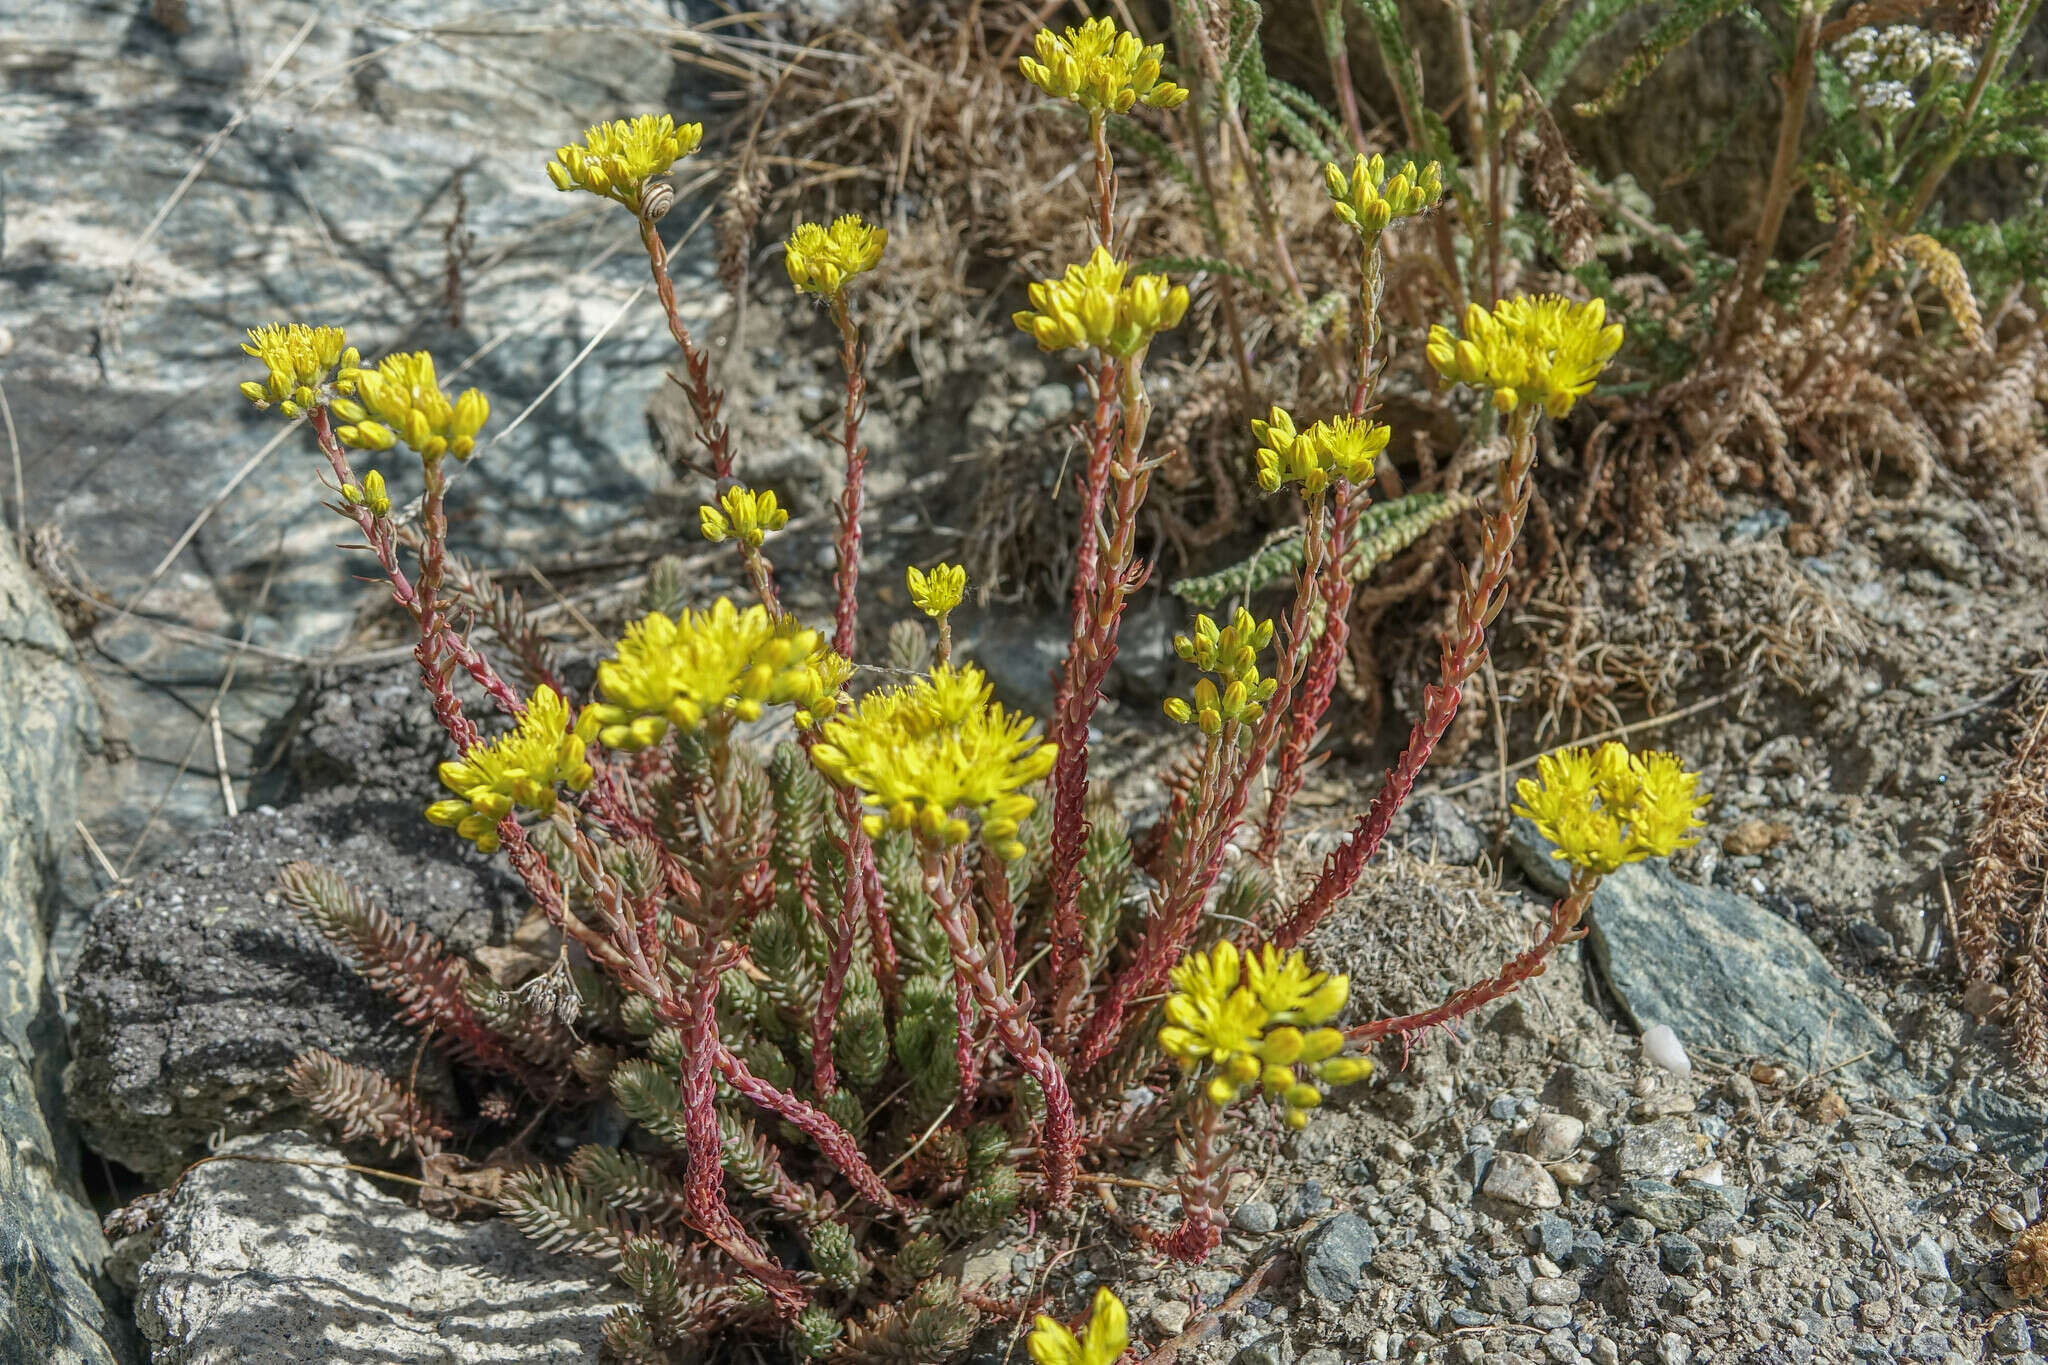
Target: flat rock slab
(293, 1264)
(1726, 974)
(51, 1250)
(196, 985)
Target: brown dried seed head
(2026, 1262)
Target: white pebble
(1661, 1046)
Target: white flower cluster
(1883, 63)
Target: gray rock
(1927, 1259)
(1170, 1315)
(1670, 1209)
(51, 1250)
(329, 208)
(2007, 1125)
(267, 1261)
(1519, 1179)
(1553, 1137)
(1334, 1257)
(1726, 974)
(1585, 1095)
(2010, 1335)
(1555, 1237)
(1632, 1286)
(196, 985)
(1303, 1203)
(1680, 1254)
(1256, 1217)
(1659, 1150)
(1553, 1291)
(1438, 828)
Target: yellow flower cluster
(302, 361)
(1102, 1342)
(1605, 807)
(938, 592)
(927, 755)
(1232, 653)
(1343, 447)
(401, 400)
(1368, 199)
(1092, 306)
(1537, 350)
(1243, 1013)
(725, 663)
(1100, 68)
(519, 768)
(742, 515)
(370, 493)
(615, 160)
(821, 259)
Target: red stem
(1020, 1038)
(1464, 649)
(1564, 928)
(823, 1077)
(706, 398)
(846, 573)
(1076, 700)
(835, 1142)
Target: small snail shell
(655, 200)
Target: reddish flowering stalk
(380, 536)
(1002, 912)
(1526, 966)
(1216, 810)
(846, 571)
(706, 398)
(1319, 681)
(824, 1078)
(1336, 587)
(1020, 1038)
(1464, 649)
(882, 939)
(834, 1142)
(1200, 1182)
(965, 1057)
(704, 1177)
(1075, 704)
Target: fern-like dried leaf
(1384, 530)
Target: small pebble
(1927, 1259)
(1516, 1178)
(1256, 1217)
(1554, 1292)
(1170, 1316)
(1553, 1137)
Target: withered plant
(870, 971)
(2002, 920)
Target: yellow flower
(742, 515)
(1532, 350)
(518, 769)
(616, 160)
(401, 400)
(1239, 1013)
(370, 494)
(1100, 68)
(1343, 446)
(1291, 992)
(1102, 1342)
(820, 260)
(1231, 653)
(1092, 306)
(1350, 446)
(938, 592)
(1607, 807)
(720, 665)
(928, 755)
(302, 362)
(1368, 199)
